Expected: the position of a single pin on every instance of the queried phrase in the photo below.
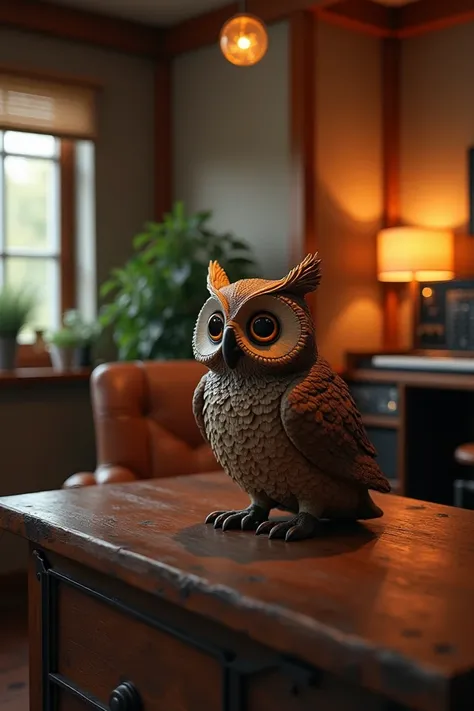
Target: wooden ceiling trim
(197, 32)
(361, 16)
(204, 30)
(153, 42)
(430, 15)
(364, 16)
(81, 26)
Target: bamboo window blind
(46, 104)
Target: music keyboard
(424, 363)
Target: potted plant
(158, 293)
(87, 334)
(16, 308)
(62, 348)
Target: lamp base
(394, 294)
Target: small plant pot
(83, 356)
(62, 357)
(8, 352)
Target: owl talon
(264, 527)
(302, 526)
(220, 520)
(247, 519)
(212, 516)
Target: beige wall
(437, 127)
(231, 145)
(349, 201)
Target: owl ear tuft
(216, 277)
(304, 278)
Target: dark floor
(13, 658)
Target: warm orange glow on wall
(244, 40)
(407, 254)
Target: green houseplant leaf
(16, 308)
(154, 299)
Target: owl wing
(198, 405)
(321, 419)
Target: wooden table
(135, 603)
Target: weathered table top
(388, 603)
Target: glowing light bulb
(244, 40)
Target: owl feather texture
(281, 423)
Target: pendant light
(244, 38)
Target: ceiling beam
(428, 15)
(153, 42)
(81, 26)
(204, 29)
(361, 16)
(364, 16)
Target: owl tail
(367, 507)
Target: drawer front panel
(99, 646)
(275, 690)
(68, 702)
(107, 647)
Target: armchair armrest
(78, 480)
(112, 474)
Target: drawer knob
(125, 698)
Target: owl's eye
(215, 327)
(263, 329)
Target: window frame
(28, 354)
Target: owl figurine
(282, 424)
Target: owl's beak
(230, 348)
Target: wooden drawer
(99, 646)
(68, 702)
(277, 689)
(102, 634)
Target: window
(30, 229)
(41, 119)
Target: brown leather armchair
(464, 454)
(144, 423)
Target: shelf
(416, 379)
(388, 422)
(31, 376)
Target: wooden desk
(128, 586)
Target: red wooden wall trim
(163, 139)
(391, 177)
(303, 135)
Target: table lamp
(410, 255)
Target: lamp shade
(415, 254)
